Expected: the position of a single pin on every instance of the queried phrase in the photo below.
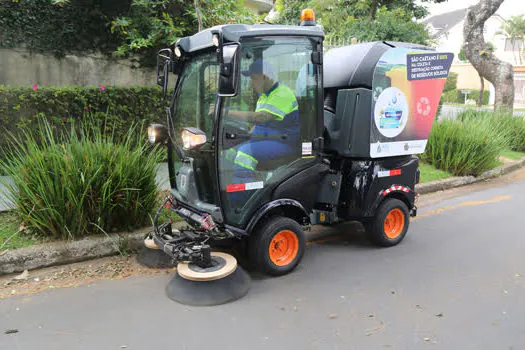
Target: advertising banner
(407, 87)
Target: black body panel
(348, 130)
(354, 65)
(364, 186)
(303, 187)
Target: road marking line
(461, 205)
(428, 213)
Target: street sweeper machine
(267, 135)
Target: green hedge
(118, 107)
(456, 96)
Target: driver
(275, 132)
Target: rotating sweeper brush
(203, 277)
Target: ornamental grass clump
(81, 182)
(513, 126)
(468, 147)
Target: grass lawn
(512, 155)
(429, 173)
(10, 238)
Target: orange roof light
(307, 15)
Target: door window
(267, 129)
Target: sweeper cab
(337, 139)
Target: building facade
(447, 31)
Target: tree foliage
(366, 20)
(119, 27)
(151, 25)
(514, 30)
(58, 27)
(394, 25)
(138, 28)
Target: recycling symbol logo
(423, 106)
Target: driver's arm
(252, 117)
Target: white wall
(20, 68)
(452, 41)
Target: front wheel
(390, 224)
(277, 246)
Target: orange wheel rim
(394, 223)
(284, 248)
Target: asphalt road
(456, 282)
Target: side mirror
(229, 74)
(164, 63)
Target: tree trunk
(198, 12)
(499, 73)
(480, 97)
(519, 50)
(373, 9)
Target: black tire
(283, 260)
(378, 230)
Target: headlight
(152, 134)
(192, 137)
(157, 133)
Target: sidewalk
(4, 203)
(162, 183)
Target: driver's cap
(260, 67)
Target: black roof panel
(235, 32)
(354, 65)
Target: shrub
(515, 129)
(21, 107)
(456, 96)
(467, 147)
(451, 83)
(512, 126)
(81, 181)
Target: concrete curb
(441, 185)
(453, 182)
(61, 253)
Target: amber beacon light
(307, 17)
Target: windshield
(196, 92)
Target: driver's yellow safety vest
(279, 101)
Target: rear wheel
(390, 224)
(277, 246)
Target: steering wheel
(237, 127)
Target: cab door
(267, 130)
